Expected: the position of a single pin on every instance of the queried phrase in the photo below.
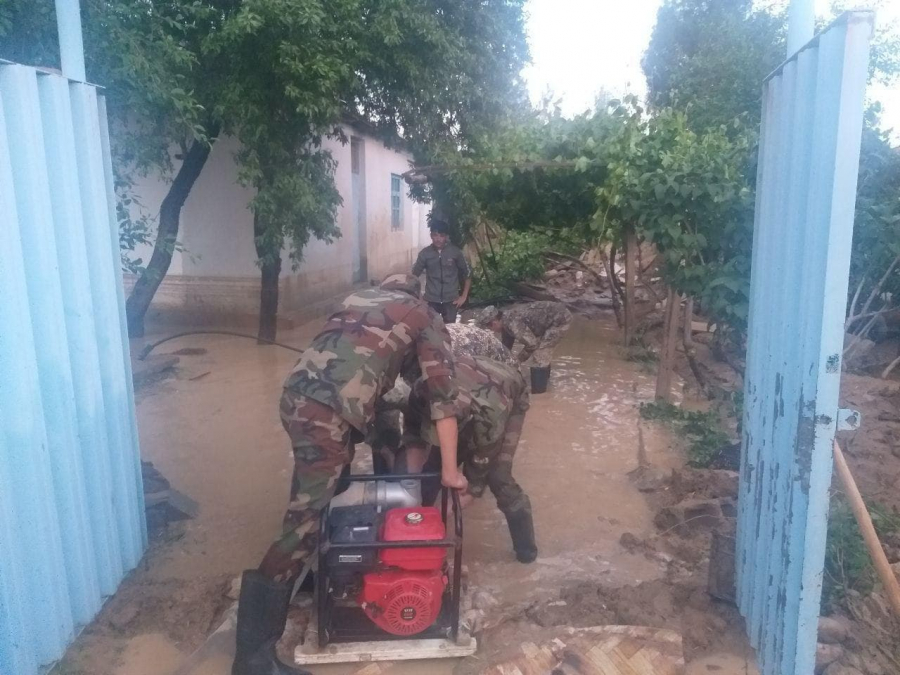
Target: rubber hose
(145, 352)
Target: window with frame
(396, 202)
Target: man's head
(440, 233)
(489, 318)
(403, 283)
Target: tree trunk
(688, 341)
(268, 291)
(630, 280)
(169, 216)
(614, 294)
(667, 353)
(614, 280)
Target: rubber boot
(521, 529)
(262, 613)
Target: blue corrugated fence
(806, 194)
(71, 502)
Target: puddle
(219, 439)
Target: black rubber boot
(521, 529)
(262, 613)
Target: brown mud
(213, 430)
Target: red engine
(404, 596)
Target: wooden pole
(630, 279)
(667, 354)
(864, 520)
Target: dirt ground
(213, 430)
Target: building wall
(214, 279)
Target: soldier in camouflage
(328, 405)
(537, 326)
(493, 400)
(466, 340)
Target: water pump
(384, 572)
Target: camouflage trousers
(510, 496)
(322, 446)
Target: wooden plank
(599, 650)
(389, 650)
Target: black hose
(145, 352)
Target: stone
(729, 508)
(869, 356)
(712, 483)
(650, 478)
(833, 631)
(483, 600)
(121, 618)
(630, 542)
(826, 655)
(690, 516)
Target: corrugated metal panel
(71, 516)
(806, 194)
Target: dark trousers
(447, 310)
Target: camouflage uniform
(538, 327)
(493, 400)
(466, 340)
(469, 340)
(329, 398)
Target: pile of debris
(695, 516)
(164, 504)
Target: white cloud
(582, 47)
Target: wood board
(600, 650)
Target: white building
(216, 279)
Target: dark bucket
(540, 378)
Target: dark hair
(439, 226)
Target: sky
(580, 48)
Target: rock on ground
(833, 631)
(690, 516)
(826, 655)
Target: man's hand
(460, 301)
(456, 480)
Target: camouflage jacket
(489, 392)
(527, 323)
(469, 340)
(357, 356)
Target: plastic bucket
(540, 378)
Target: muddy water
(215, 433)
(579, 443)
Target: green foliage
(134, 230)
(690, 195)
(281, 75)
(517, 256)
(526, 190)
(848, 565)
(876, 237)
(295, 205)
(702, 430)
(710, 56)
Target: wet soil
(213, 430)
